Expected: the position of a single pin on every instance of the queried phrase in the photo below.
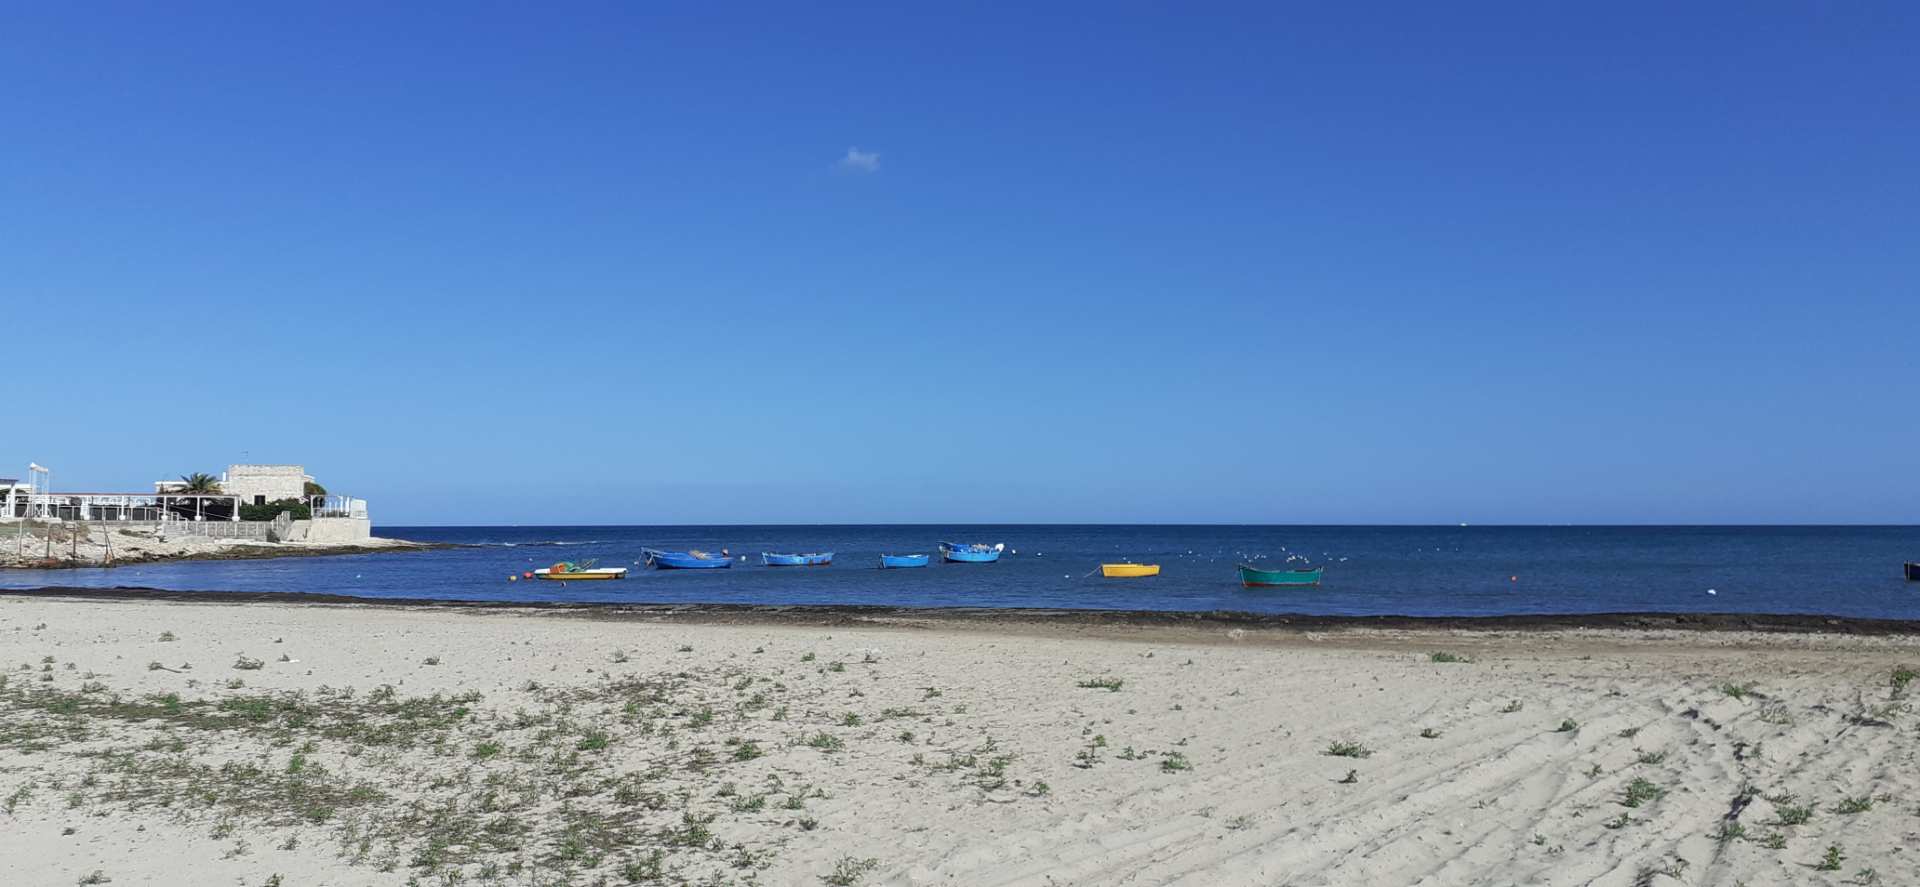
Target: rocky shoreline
(68, 550)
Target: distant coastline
(36, 551)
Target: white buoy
(1711, 591)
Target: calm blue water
(1846, 571)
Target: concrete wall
(333, 529)
(275, 482)
(255, 530)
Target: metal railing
(338, 506)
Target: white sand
(1498, 797)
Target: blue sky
(1409, 263)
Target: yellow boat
(588, 575)
(1129, 571)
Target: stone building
(255, 484)
(260, 484)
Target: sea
(1370, 570)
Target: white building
(333, 518)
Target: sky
(572, 263)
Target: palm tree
(199, 482)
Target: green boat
(1254, 577)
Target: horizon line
(1171, 524)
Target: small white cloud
(860, 161)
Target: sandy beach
(173, 742)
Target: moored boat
(1913, 572)
(977, 553)
(1129, 571)
(815, 559)
(568, 571)
(1254, 577)
(687, 560)
(902, 561)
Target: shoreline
(1027, 618)
(202, 550)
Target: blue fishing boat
(687, 560)
(902, 561)
(977, 553)
(817, 559)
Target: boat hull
(1253, 577)
(1913, 572)
(820, 559)
(1129, 571)
(902, 561)
(967, 554)
(685, 560)
(594, 575)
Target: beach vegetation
(1849, 806)
(1640, 791)
(1345, 749)
(825, 741)
(167, 637)
(1429, 733)
(651, 867)
(1737, 691)
(1444, 656)
(1618, 822)
(1729, 831)
(1512, 706)
(849, 871)
(593, 741)
(1830, 861)
(1651, 757)
(1174, 762)
(1110, 684)
(1792, 814)
(1568, 725)
(248, 663)
(1774, 841)
(1775, 713)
